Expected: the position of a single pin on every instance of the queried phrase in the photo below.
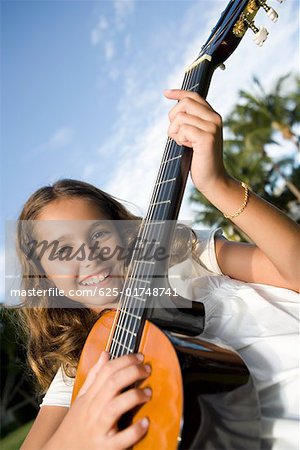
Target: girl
(259, 283)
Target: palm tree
(261, 119)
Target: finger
(188, 135)
(179, 94)
(131, 435)
(104, 358)
(191, 106)
(95, 376)
(182, 118)
(122, 404)
(117, 382)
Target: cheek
(59, 269)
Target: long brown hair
(55, 336)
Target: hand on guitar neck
(274, 257)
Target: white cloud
(109, 50)
(59, 139)
(112, 35)
(99, 29)
(123, 8)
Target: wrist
(215, 186)
(229, 195)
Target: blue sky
(82, 82)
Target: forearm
(276, 235)
(193, 123)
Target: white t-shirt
(260, 322)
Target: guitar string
(128, 327)
(125, 328)
(162, 174)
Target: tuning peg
(260, 35)
(270, 11)
(272, 14)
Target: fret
(193, 87)
(144, 262)
(139, 279)
(160, 203)
(127, 331)
(142, 244)
(122, 345)
(165, 181)
(130, 314)
(155, 222)
(171, 159)
(135, 297)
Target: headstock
(235, 20)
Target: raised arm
(274, 259)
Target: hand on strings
(92, 419)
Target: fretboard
(158, 226)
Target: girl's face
(86, 264)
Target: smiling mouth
(97, 278)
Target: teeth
(95, 279)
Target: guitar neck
(164, 208)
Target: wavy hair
(54, 336)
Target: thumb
(104, 358)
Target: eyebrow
(91, 228)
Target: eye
(99, 234)
(64, 251)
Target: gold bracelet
(243, 206)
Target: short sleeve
(206, 251)
(60, 390)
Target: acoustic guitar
(202, 393)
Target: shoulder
(60, 390)
(206, 246)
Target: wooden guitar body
(185, 373)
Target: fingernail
(140, 356)
(145, 422)
(148, 392)
(148, 368)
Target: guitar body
(165, 407)
(186, 372)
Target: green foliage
(15, 439)
(18, 402)
(260, 119)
